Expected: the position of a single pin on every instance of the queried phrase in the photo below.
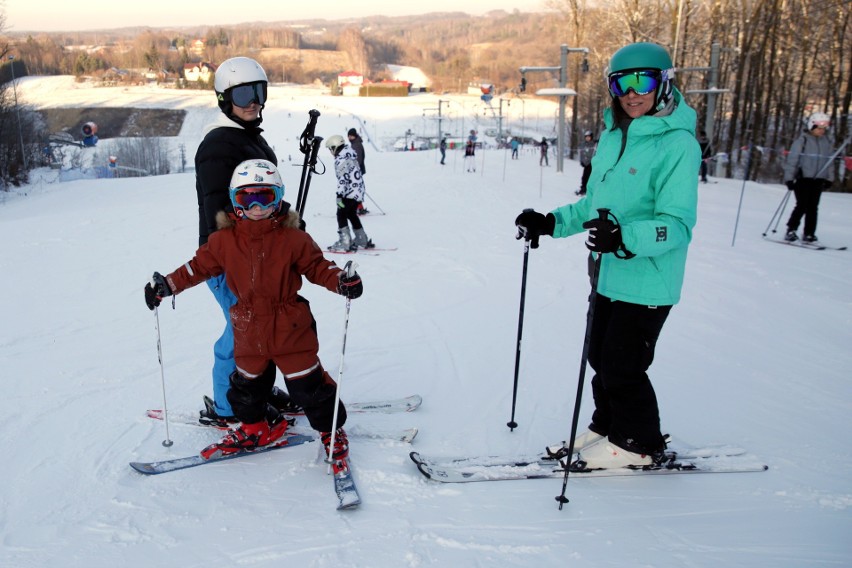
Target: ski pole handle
(530, 241)
(349, 268)
(603, 213)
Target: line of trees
(780, 59)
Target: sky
(62, 15)
(756, 355)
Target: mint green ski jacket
(652, 189)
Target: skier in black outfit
(357, 144)
(704, 144)
(235, 136)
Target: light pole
(18, 111)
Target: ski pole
(778, 212)
(167, 442)
(742, 192)
(374, 203)
(349, 269)
(511, 423)
(584, 359)
(780, 215)
(309, 146)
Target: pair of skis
(344, 483)
(720, 459)
(815, 245)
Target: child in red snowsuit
(264, 255)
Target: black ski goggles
(245, 95)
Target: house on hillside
(349, 83)
(202, 71)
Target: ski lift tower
(562, 92)
(712, 91)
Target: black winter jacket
(225, 146)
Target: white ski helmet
(255, 174)
(334, 142)
(818, 119)
(234, 72)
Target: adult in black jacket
(357, 144)
(235, 136)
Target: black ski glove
(532, 224)
(350, 286)
(791, 184)
(156, 290)
(604, 236)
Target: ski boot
(361, 241)
(209, 416)
(341, 445)
(247, 437)
(282, 402)
(344, 243)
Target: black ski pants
(808, 192)
(347, 210)
(621, 349)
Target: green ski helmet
(643, 57)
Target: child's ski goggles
(244, 95)
(264, 196)
(641, 82)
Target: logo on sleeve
(662, 234)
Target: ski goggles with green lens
(264, 196)
(641, 81)
(244, 95)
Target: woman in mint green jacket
(645, 172)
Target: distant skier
(357, 144)
(809, 155)
(543, 147)
(470, 156)
(587, 151)
(350, 192)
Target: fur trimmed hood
(286, 219)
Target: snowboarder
(240, 84)
(263, 254)
(443, 148)
(809, 155)
(648, 146)
(350, 192)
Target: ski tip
(409, 435)
(143, 468)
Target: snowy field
(756, 355)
